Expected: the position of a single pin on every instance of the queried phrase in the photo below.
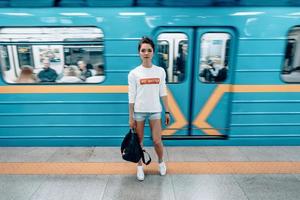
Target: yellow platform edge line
(114, 168)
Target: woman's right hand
(132, 123)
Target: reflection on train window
(52, 55)
(214, 57)
(4, 60)
(290, 72)
(163, 54)
(91, 53)
(172, 55)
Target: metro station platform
(99, 173)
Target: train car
(233, 72)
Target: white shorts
(142, 116)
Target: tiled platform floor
(183, 185)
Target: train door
(169, 55)
(212, 76)
(197, 63)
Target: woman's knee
(140, 131)
(157, 142)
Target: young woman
(146, 86)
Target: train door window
(290, 71)
(52, 55)
(214, 57)
(172, 55)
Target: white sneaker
(140, 173)
(162, 168)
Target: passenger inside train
(213, 72)
(98, 76)
(85, 72)
(47, 74)
(71, 75)
(26, 75)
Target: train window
(52, 55)
(172, 55)
(214, 57)
(290, 72)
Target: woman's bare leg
(140, 132)
(155, 126)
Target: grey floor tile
(19, 187)
(297, 176)
(181, 154)
(106, 154)
(265, 153)
(154, 157)
(207, 187)
(128, 188)
(72, 154)
(79, 187)
(224, 154)
(26, 154)
(270, 186)
(293, 152)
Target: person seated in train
(70, 75)
(26, 75)
(218, 71)
(98, 77)
(208, 72)
(85, 72)
(213, 72)
(47, 74)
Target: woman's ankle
(140, 163)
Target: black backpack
(131, 149)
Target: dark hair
(100, 66)
(146, 40)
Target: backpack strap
(143, 157)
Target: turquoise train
(233, 71)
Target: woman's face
(146, 52)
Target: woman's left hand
(167, 119)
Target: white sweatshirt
(146, 86)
